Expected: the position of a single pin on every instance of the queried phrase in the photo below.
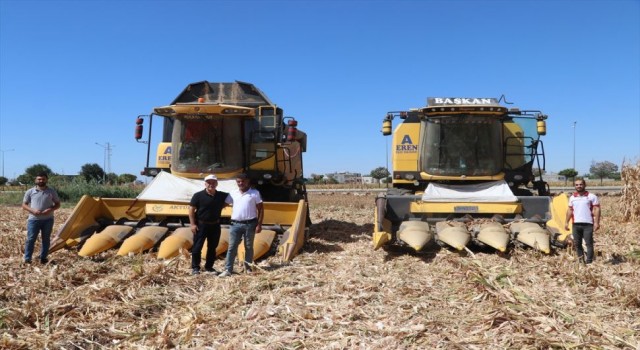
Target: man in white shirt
(584, 210)
(246, 220)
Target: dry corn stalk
(631, 191)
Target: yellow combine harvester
(463, 172)
(210, 128)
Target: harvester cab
(210, 128)
(464, 171)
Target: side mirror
(386, 125)
(139, 129)
(542, 127)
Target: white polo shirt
(244, 204)
(582, 206)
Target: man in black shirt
(204, 216)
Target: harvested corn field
(338, 294)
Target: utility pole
(4, 150)
(106, 162)
(574, 146)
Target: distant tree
(92, 172)
(31, 172)
(379, 173)
(315, 179)
(603, 169)
(330, 180)
(112, 178)
(126, 178)
(3, 180)
(568, 173)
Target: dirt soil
(338, 294)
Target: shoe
(27, 261)
(248, 269)
(211, 270)
(44, 261)
(225, 273)
(195, 271)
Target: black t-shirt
(208, 207)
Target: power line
(3, 151)
(106, 162)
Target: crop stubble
(337, 294)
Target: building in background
(346, 177)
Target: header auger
(210, 128)
(463, 173)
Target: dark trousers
(210, 233)
(580, 232)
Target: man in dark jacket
(204, 216)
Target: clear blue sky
(77, 73)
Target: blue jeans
(236, 234)
(580, 232)
(33, 228)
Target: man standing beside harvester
(584, 211)
(204, 218)
(246, 220)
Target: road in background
(593, 189)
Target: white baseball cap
(210, 177)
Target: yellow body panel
(429, 177)
(176, 209)
(380, 238)
(167, 209)
(471, 207)
(559, 207)
(202, 109)
(406, 140)
(294, 237)
(265, 164)
(163, 155)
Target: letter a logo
(167, 150)
(406, 140)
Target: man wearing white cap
(204, 216)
